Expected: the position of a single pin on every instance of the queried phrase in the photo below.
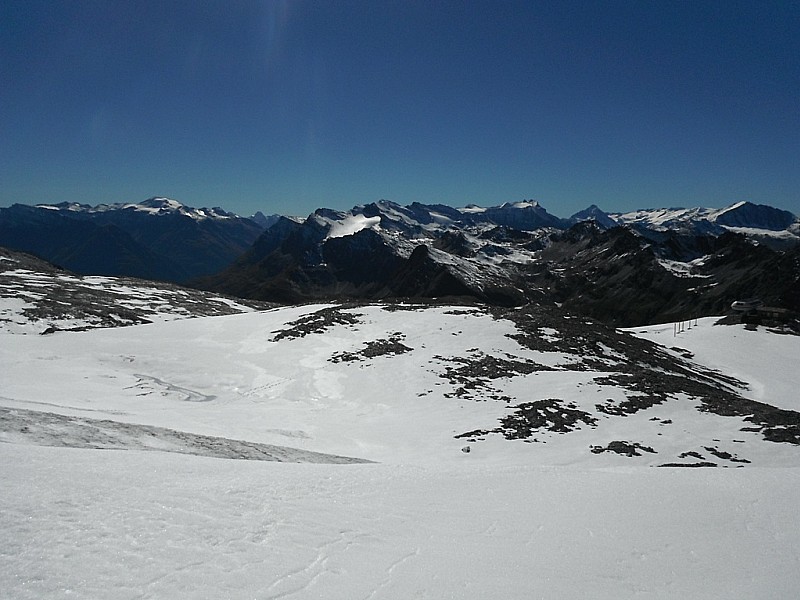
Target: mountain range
(159, 238)
(644, 266)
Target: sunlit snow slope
(118, 483)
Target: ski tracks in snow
(301, 578)
(330, 560)
(390, 574)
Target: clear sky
(287, 106)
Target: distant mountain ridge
(158, 238)
(759, 218)
(157, 205)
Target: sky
(287, 106)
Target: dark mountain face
(156, 239)
(593, 213)
(82, 246)
(622, 278)
(525, 216)
(758, 216)
(263, 221)
(200, 247)
(290, 263)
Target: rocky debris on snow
(725, 455)
(551, 414)
(475, 371)
(715, 451)
(623, 448)
(390, 346)
(695, 464)
(618, 375)
(403, 306)
(692, 454)
(650, 375)
(317, 322)
(775, 424)
(532, 417)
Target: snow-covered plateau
(320, 451)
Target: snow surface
(94, 524)
(663, 218)
(507, 520)
(523, 204)
(755, 232)
(352, 224)
(683, 269)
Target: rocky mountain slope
(37, 297)
(649, 266)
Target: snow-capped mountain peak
(162, 206)
(522, 204)
(594, 213)
(160, 203)
(754, 216)
(352, 225)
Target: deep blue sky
(286, 106)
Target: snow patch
(352, 224)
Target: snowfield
(97, 524)
(349, 427)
